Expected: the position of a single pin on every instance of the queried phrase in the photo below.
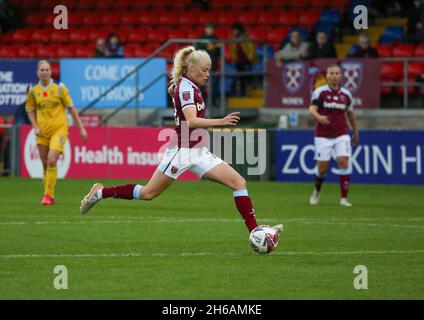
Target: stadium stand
(145, 25)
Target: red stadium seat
(129, 50)
(240, 4)
(144, 51)
(223, 33)
(5, 38)
(149, 19)
(104, 4)
(123, 4)
(289, 18)
(248, 18)
(188, 18)
(182, 4)
(59, 36)
(386, 90)
(84, 51)
(161, 5)
(35, 19)
(21, 35)
(209, 16)
(55, 70)
(123, 33)
(75, 19)
(86, 4)
(177, 34)
(227, 18)
(384, 50)
(47, 51)
(41, 35)
(168, 19)
(9, 51)
(65, 51)
(415, 69)
(410, 90)
(79, 35)
(158, 35)
(138, 35)
(219, 4)
(29, 51)
(301, 4)
(258, 33)
(130, 18)
(194, 33)
(309, 18)
(419, 50)
(320, 3)
(268, 17)
(95, 34)
(111, 19)
(92, 18)
(276, 35)
(403, 50)
(391, 70)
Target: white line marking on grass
(200, 254)
(188, 220)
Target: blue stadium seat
(269, 51)
(330, 17)
(396, 32)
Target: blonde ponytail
(183, 58)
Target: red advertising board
(291, 85)
(110, 152)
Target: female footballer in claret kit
(190, 70)
(330, 104)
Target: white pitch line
(188, 220)
(200, 254)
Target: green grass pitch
(190, 243)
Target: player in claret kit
(330, 104)
(46, 106)
(190, 70)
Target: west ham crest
(293, 76)
(352, 74)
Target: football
(263, 239)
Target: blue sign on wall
(87, 79)
(383, 156)
(15, 78)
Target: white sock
(99, 194)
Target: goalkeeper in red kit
(330, 104)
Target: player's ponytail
(183, 58)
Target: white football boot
(278, 227)
(344, 202)
(314, 199)
(91, 198)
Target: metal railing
(404, 83)
(222, 74)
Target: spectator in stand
(211, 47)
(321, 47)
(115, 48)
(101, 50)
(295, 49)
(415, 26)
(243, 55)
(363, 49)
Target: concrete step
(245, 103)
(395, 21)
(255, 93)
